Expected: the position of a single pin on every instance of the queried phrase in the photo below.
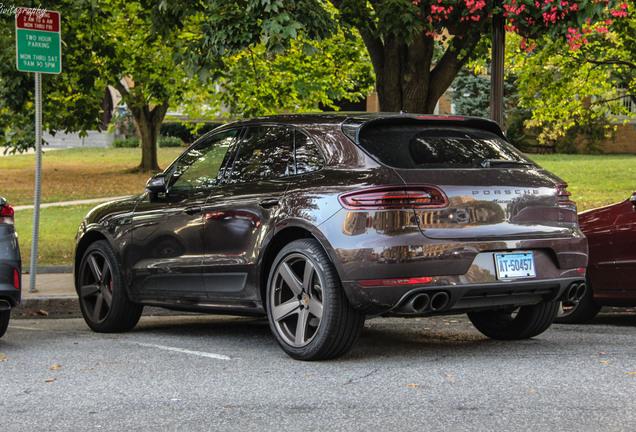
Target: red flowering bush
(529, 18)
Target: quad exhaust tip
(425, 302)
(575, 292)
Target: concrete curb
(62, 306)
(49, 269)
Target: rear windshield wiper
(503, 163)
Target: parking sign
(38, 41)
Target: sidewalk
(69, 203)
(54, 296)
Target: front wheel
(515, 323)
(307, 309)
(102, 295)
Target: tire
(515, 323)
(581, 311)
(4, 322)
(307, 309)
(102, 295)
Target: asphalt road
(196, 373)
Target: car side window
(199, 167)
(266, 153)
(308, 156)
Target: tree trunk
(149, 134)
(148, 122)
(406, 79)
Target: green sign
(38, 46)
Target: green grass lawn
(75, 174)
(594, 180)
(57, 233)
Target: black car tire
(518, 323)
(583, 310)
(102, 295)
(307, 309)
(4, 321)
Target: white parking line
(184, 351)
(28, 328)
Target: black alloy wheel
(308, 311)
(102, 296)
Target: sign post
(39, 50)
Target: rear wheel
(515, 323)
(579, 311)
(102, 295)
(4, 321)
(308, 311)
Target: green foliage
(471, 96)
(337, 68)
(168, 141)
(122, 124)
(187, 132)
(132, 142)
(69, 98)
(579, 91)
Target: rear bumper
(477, 289)
(449, 299)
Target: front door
(625, 249)
(167, 239)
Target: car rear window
(418, 146)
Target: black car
(10, 266)
(320, 220)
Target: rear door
(240, 214)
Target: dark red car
(320, 220)
(611, 236)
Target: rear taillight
(394, 198)
(16, 279)
(389, 282)
(6, 214)
(563, 196)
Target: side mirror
(633, 200)
(156, 185)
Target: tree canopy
(157, 61)
(583, 85)
(417, 47)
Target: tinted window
(267, 152)
(413, 146)
(199, 167)
(308, 157)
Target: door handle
(192, 210)
(269, 202)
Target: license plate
(514, 265)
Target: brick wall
(624, 140)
